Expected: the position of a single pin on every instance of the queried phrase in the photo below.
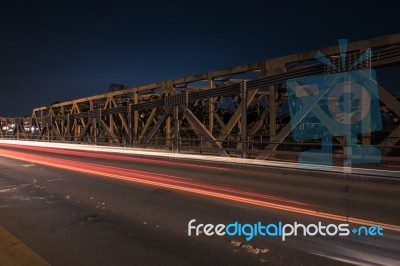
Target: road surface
(91, 208)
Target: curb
(14, 252)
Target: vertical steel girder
(243, 117)
(211, 107)
(176, 129)
(135, 118)
(272, 113)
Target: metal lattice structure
(240, 111)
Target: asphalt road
(82, 208)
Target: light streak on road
(113, 157)
(207, 158)
(95, 168)
(187, 185)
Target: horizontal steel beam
(270, 65)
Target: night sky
(58, 51)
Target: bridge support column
(243, 118)
(176, 129)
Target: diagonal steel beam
(393, 104)
(121, 116)
(57, 130)
(285, 131)
(155, 128)
(19, 129)
(236, 116)
(200, 129)
(85, 130)
(108, 131)
(219, 120)
(51, 130)
(384, 96)
(253, 130)
(388, 99)
(148, 123)
(56, 133)
(92, 122)
(78, 111)
(390, 140)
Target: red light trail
(187, 185)
(113, 157)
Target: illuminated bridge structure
(238, 112)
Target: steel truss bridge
(238, 112)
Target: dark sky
(56, 51)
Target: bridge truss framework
(240, 111)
